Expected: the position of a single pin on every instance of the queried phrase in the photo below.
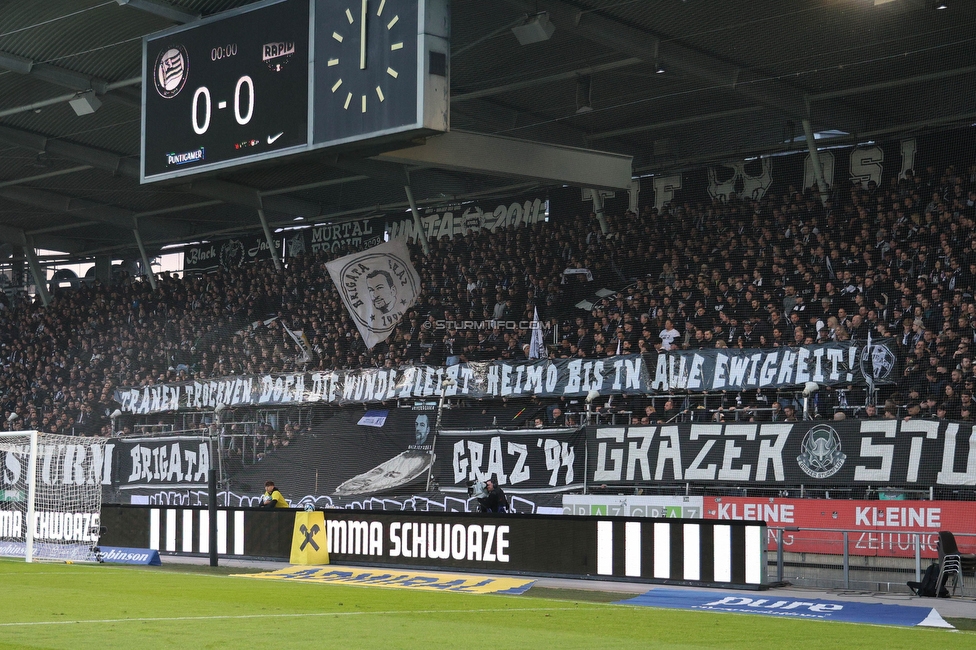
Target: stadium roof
(672, 83)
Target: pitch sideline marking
(308, 615)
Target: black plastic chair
(947, 545)
(950, 562)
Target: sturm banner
(59, 465)
(832, 364)
(533, 460)
(877, 453)
(491, 379)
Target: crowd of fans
(896, 260)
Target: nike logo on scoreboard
(272, 138)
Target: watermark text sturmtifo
(487, 325)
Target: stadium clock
(228, 90)
(373, 59)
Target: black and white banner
(478, 380)
(228, 253)
(170, 462)
(356, 234)
(377, 286)
(60, 464)
(528, 460)
(916, 453)
(459, 220)
(730, 369)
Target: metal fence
(863, 559)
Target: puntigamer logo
(186, 157)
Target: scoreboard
(283, 77)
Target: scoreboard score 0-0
(282, 77)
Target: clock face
(366, 67)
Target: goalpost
(50, 495)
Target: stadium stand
(893, 261)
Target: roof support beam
(40, 283)
(535, 83)
(473, 152)
(670, 124)
(648, 47)
(128, 167)
(83, 208)
(18, 237)
(62, 77)
(162, 9)
(894, 83)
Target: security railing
(867, 559)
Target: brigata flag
(378, 286)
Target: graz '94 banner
(916, 453)
(831, 364)
(527, 460)
(489, 379)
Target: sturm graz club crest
(821, 455)
(879, 362)
(171, 70)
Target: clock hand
(362, 39)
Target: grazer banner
(877, 453)
(831, 364)
(477, 380)
(527, 460)
(881, 528)
(458, 220)
(228, 253)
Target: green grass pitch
(105, 606)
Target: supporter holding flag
(377, 286)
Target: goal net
(50, 495)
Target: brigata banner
(533, 460)
(177, 461)
(877, 453)
(477, 380)
(832, 364)
(878, 528)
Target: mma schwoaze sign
(916, 453)
(836, 364)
